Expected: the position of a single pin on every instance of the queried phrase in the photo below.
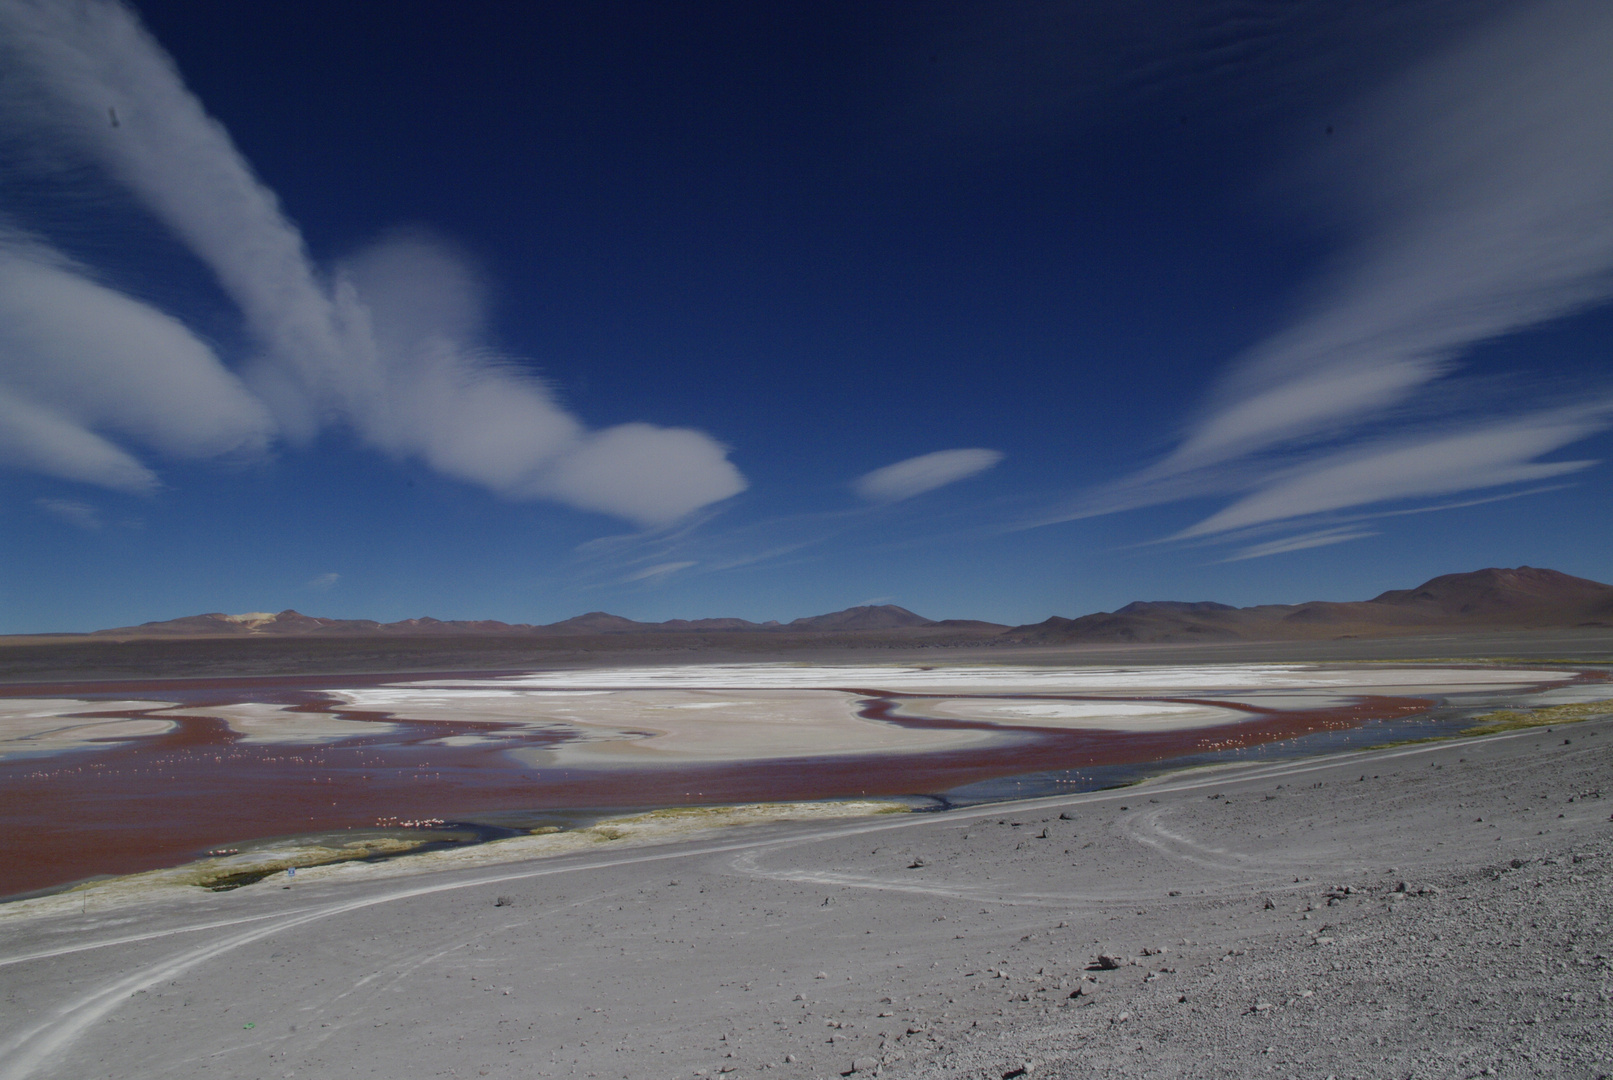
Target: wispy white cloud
(1472, 197)
(926, 472)
(323, 581)
(389, 343)
(1485, 455)
(82, 364)
(73, 512)
(1302, 542)
(1476, 190)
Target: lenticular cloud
(390, 343)
(926, 472)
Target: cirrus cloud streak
(916, 475)
(1472, 198)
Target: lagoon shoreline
(1438, 909)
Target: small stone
(864, 1064)
(1105, 962)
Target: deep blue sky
(1201, 301)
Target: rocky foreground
(1437, 910)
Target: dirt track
(914, 945)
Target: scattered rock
(863, 1064)
(1105, 962)
(504, 901)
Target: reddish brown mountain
(1524, 597)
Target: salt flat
(735, 712)
(50, 725)
(699, 713)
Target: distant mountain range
(1524, 597)
(295, 624)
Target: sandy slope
(912, 945)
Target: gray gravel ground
(1442, 910)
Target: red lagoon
(162, 800)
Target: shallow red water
(164, 800)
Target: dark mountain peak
(1497, 590)
(1145, 607)
(596, 622)
(863, 617)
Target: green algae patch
(222, 875)
(1515, 719)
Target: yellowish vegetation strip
(1513, 719)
